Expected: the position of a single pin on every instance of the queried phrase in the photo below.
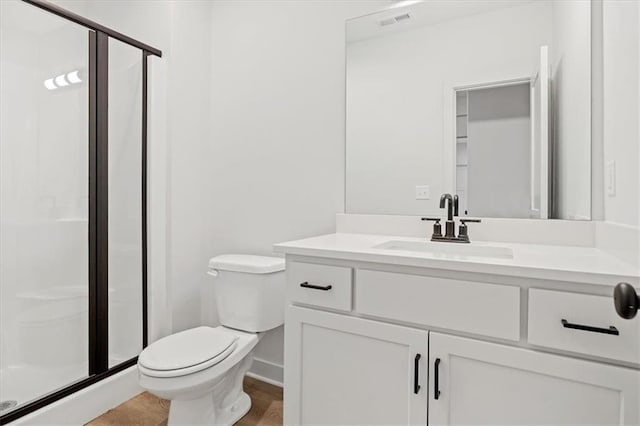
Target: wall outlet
(422, 192)
(610, 178)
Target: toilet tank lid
(247, 263)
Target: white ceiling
(428, 12)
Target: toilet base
(224, 405)
(202, 412)
(236, 412)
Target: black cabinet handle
(416, 374)
(316, 287)
(610, 330)
(436, 379)
(626, 300)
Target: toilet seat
(187, 352)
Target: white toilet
(201, 369)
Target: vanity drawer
(479, 308)
(319, 285)
(558, 320)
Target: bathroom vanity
(491, 106)
(386, 330)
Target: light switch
(422, 192)
(610, 178)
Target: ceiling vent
(395, 19)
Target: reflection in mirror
(495, 120)
(487, 99)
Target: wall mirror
(487, 99)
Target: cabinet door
(341, 370)
(487, 383)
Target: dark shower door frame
(98, 355)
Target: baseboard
(267, 371)
(89, 403)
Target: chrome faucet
(450, 225)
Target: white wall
(597, 125)
(395, 99)
(571, 84)
(621, 41)
(617, 120)
(189, 137)
(275, 159)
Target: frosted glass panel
(43, 203)
(125, 202)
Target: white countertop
(551, 262)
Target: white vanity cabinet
(380, 344)
(479, 383)
(342, 370)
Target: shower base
(23, 384)
(81, 407)
(7, 405)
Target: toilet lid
(201, 345)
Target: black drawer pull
(436, 379)
(316, 287)
(416, 374)
(610, 330)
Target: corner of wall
(597, 98)
(619, 240)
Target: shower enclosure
(73, 212)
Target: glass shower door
(44, 243)
(125, 202)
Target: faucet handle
(437, 228)
(463, 233)
(463, 221)
(435, 219)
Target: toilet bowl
(201, 370)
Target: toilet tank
(249, 291)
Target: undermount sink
(449, 249)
